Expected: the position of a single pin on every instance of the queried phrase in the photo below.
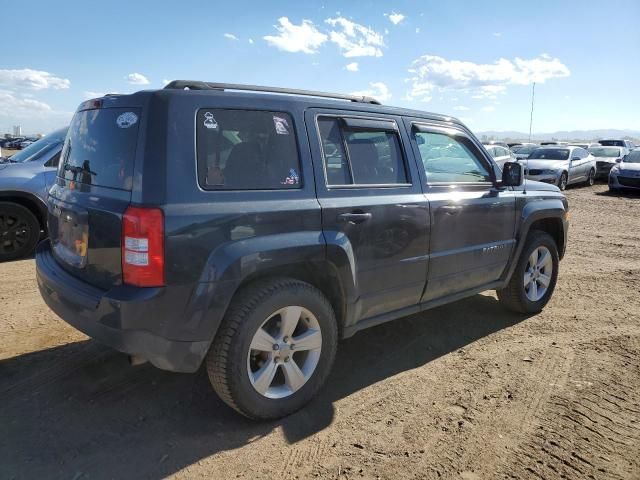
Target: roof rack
(198, 85)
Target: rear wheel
(19, 231)
(562, 183)
(534, 277)
(274, 349)
(591, 179)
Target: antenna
(526, 163)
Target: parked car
(586, 146)
(14, 142)
(561, 166)
(628, 146)
(524, 151)
(271, 224)
(606, 157)
(497, 142)
(626, 173)
(24, 144)
(500, 154)
(553, 142)
(25, 178)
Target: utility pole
(533, 96)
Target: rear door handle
(354, 217)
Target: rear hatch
(92, 190)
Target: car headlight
(547, 172)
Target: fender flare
(29, 200)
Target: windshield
(36, 149)
(526, 150)
(550, 154)
(611, 143)
(605, 151)
(633, 157)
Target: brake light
(143, 247)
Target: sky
(473, 60)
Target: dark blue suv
(251, 228)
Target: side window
(53, 161)
(360, 156)
(246, 150)
(449, 159)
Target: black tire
(226, 361)
(514, 296)
(19, 231)
(591, 179)
(562, 182)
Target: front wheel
(274, 349)
(534, 277)
(19, 231)
(562, 183)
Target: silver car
(626, 173)
(606, 158)
(25, 179)
(560, 165)
(524, 151)
(500, 154)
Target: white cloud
(417, 29)
(137, 79)
(489, 108)
(430, 72)
(230, 36)
(304, 37)
(377, 90)
(394, 17)
(10, 105)
(352, 67)
(355, 40)
(32, 79)
(497, 34)
(461, 108)
(251, 41)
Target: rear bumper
(105, 315)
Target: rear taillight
(143, 247)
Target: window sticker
(292, 178)
(209, 121)
(281, 124)
(126, 119)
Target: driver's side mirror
(512, 174)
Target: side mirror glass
(512, 174)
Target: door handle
(354, 217)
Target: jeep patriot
(251, 228)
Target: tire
(516, 296)
(591, 179)
(562, 182)
(19, 231)
(233, 366)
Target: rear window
(100, 147)
(246, 150)
(605, 151)
(612, 143)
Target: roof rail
(198, 85)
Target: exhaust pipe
(135, 360)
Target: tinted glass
(612, 143)
(100, 147)
(246, 150)
(450, 159)
(605, 151)
(372, 157)
(633, 157)
(526, 150)
(550, 154)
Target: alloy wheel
(284, 352)
(14, 233)
(537, 274)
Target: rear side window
(100, 147)
(246, 150)
(360, 156)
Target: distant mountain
(562, 135)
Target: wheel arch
(30, 201)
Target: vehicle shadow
(79, 411)
(621, 193)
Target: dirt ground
(466, 391)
